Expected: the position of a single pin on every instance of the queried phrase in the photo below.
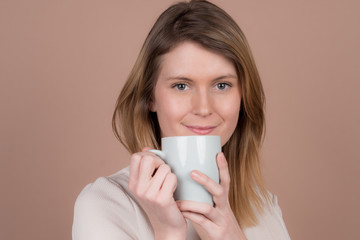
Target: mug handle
(158, 153)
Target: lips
(201, 130)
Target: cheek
(232, 118)
(229, 112)
(171, 108)
(170, 111)
(230, 109)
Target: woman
(195, 75)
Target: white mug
(187, 153)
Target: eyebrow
(180, 77)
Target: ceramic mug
(187, 153)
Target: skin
(197, 93)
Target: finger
(169, 186)
(159, 178)
(213, 187)
(200, 221)
(145, 149)
(148, 164)
(223, 171)
(204, 209)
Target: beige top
(107, 210)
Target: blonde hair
(211, 27)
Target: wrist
(170, 235)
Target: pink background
(62, 64)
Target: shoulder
(104, 191)
(275, 207)
(270, 222)
(105, 209)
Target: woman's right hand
(153, 183)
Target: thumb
(145, 149)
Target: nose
(202, 103)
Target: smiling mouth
(201, 130)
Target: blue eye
(180, 86)
(222, 86)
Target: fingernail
(195, 175)
(222, 156)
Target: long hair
(211, 27)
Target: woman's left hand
(216, 222)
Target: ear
(152, 106)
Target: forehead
(192, 58)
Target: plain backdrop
(63, 63)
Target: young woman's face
(197, 93)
